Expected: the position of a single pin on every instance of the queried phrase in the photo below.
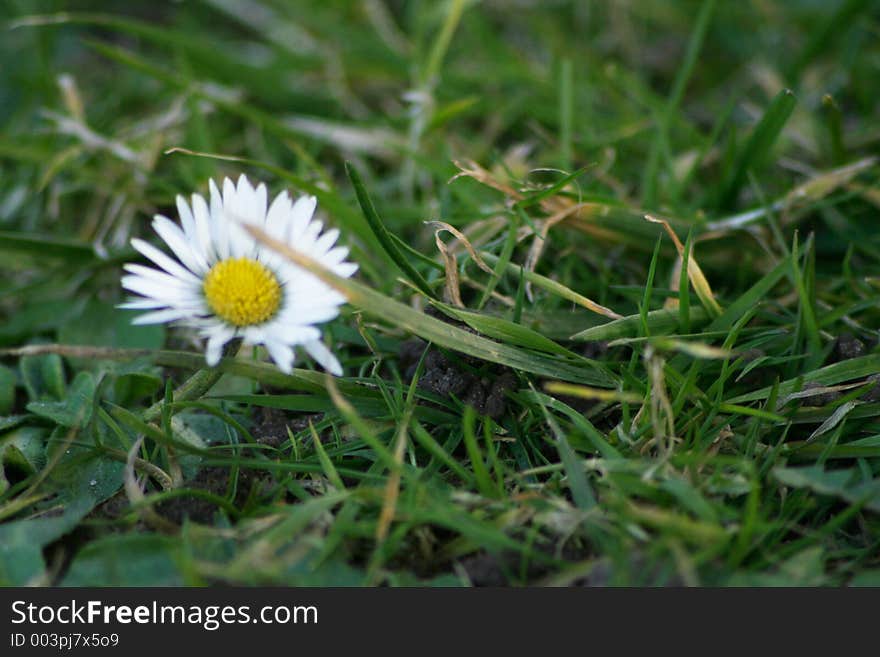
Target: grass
(605, 399)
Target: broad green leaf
(127, 560)
(7, 389)
(43, 376)
(75, 409)
(35, 317)
(22, 542)
(11, 421)
(23, 450)
(83, 486)
(844, 484)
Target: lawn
(614, 321)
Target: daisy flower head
(225, 285)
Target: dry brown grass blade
(392, 486)
(674, 283)
(662, 414)
(540, 240)
(136, 496)
(452, 287)
(441, 226)
(587, 392)
(470, 169)
(695, 274)
(814, 189)
(559, 208)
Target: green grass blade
(685, 70)
(441, 333)
(383, 236)
(757, 149)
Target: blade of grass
(581, 491)
(327, 465)
(757, 148)
(659, 322)
(383, 236)
(661, 140)
(566, 111)
(481, 473)
(551, 286)
(439, 332)
(684, 296)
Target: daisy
(226, 285)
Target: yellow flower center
(242, 291)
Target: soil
(847, 346)
(215, 479)
(595, 350)
(271, 425)
(486, 569)
(482, 385)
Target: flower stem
(195, 386)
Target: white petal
(164, 281)
(304, 238)
(291, 332)
(254, 334)
(219, 221)
(162, 316)
(163, 261)
(216, 341)
(334, 256)
(298, 280)
(230, 193)
(260, 201)
(142, 304)
(323, 296)
(177, 242)
(344, 269)
(300, 216)
(148, 288)
(319, 351)
(282, 354)
(303, 316)
(186, 219)
(202, 216)
(246, 203)
(326, 241)
(276, 218)
(215, 197)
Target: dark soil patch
(271, 425)
(215, 479)
(484, 386)
(847, 346)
